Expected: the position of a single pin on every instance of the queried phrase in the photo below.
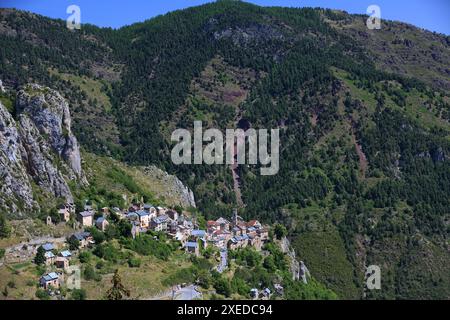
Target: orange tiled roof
(252, 223)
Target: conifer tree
(118, 291)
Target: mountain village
(221, 234)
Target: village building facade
(237, 233)
(50, 280)
(49, 258)
(101, 223)
(62, 262)
(193, 248)
(84, 238)
(86, 218)
(64, 213)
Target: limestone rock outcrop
(38, 151)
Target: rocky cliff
(38, 152)
(172, 188)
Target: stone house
(180, 236)
(144, 218)
(263, 233)
(172, 227)
(135, 207)
(255, 241)
(212, 225)
(49, 258)
(160, 223)
(153, 212)
(49, 280)
(133, 218)
(86, 218)
(71, 207)
(84, 238)
(236, 231)
(223, 224)
(239, 242)
(172, 214)
(219, 241)
(62, 262)
(101, 223)
(251, 231)
(254, 223)
(192, 247)
(64, 213)
(161, 211)
(198, 234)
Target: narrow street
(26, 250)
(190, 292)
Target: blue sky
(429, 14)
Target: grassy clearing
(20, 281)
(144, 282)
(367, 98)
(92, 88)
(418, 107)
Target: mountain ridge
(338, 93)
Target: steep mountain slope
(400, 48)
(39, 152)
(363, 117)
(78, 65)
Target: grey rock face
(40, 162)
(186, 194)
(49, 111)
(243, 36)
(2, 89)
(174, 188)
(38, 147)
(15, 187)
(251, 34)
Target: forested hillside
(364, 119)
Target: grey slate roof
(66, 254)
(100, 220)
(81, 235)
(198, 233)
(86, 214)
(48, 246)
(50, 276)
(142, 213)
(191, 244)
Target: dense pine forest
(365, 140)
